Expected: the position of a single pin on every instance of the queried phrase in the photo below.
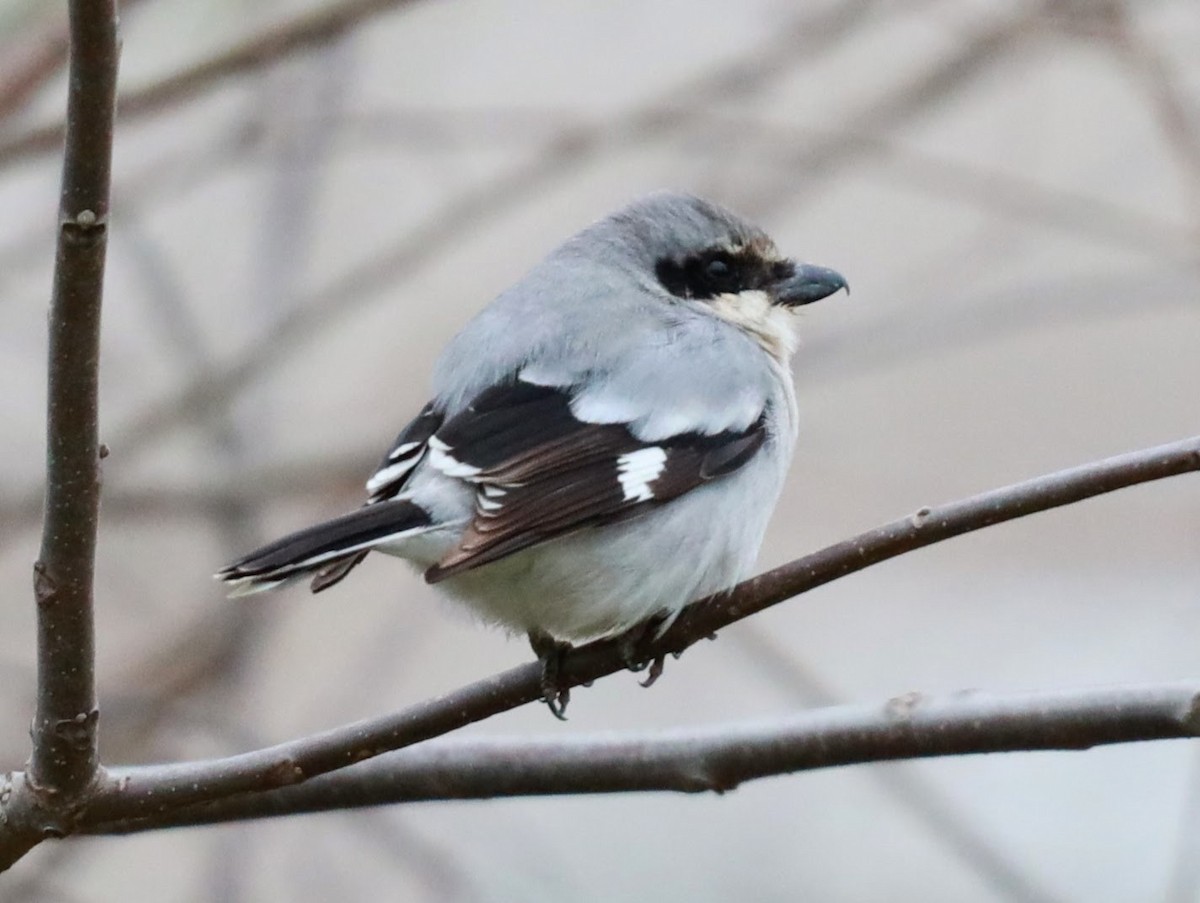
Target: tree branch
(47, 800)
(152, 792)
(64, 751)
(716, 758)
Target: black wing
(541, 472)
(386, 483)
(404, 455)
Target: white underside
(604, 580)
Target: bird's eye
(702, 276)
(718, 270)
(720, 274)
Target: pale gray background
(1013, 190)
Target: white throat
(769, 324)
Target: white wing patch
(638, 469)
(441, 459)
(402, 450)
(389, 475)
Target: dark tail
(327, 552)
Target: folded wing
(541, 470)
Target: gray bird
(605, 441)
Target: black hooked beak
(807, 283)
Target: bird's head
(688, 250)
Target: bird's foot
(551, 652)
(656, 670)
(629, 642)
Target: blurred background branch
(302, 33)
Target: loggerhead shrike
(605, 441)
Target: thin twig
(989, 188)
(717, 758)
(328, 476)
(32, 58)
(980, 53)
(274, 43)
(149, 793)
(1172, 108)
(63, 764)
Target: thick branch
(64, 748)
(183, 784)
(63, 764)
(714, 758)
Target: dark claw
(550, 653)
(656, 669)
(631, 639)
(556, 699)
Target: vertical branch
(64, 729)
